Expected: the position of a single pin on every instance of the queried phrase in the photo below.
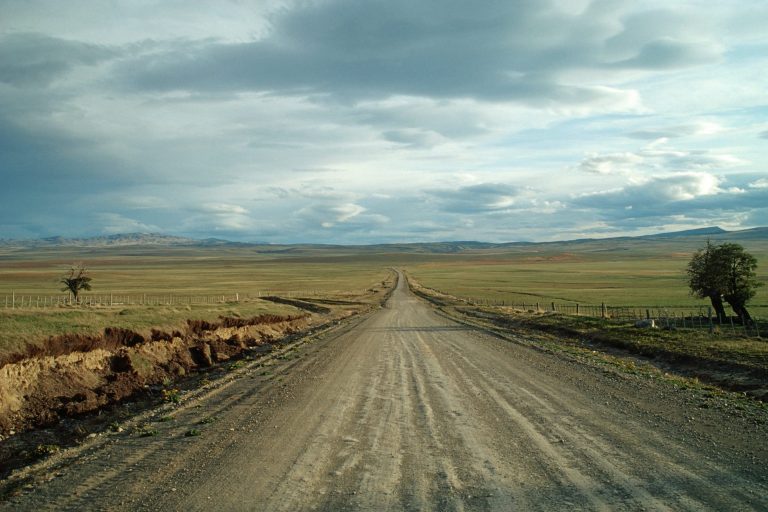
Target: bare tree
(76, 279)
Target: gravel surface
(407, 410)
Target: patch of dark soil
(301, 304)
(332, 302)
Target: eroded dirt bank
(74, 374)
(40, 390)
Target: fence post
(13, 299)
(577, 309)
(602, 310)
(553, 306)
(711, 325)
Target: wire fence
(669, 317)
(26, 301)
(14, 301)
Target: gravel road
(406, 410)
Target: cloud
(347, 121)
(683, 130)
(485, 197)
(657, 157)
(507, 51)
(668, 53)
(36, 60)
(115, 223)
(329, 215)
(610, 164)
(414, 137)
(223, 209)
(689, 197)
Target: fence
(14, 301)
(674, 317)
(19, 301)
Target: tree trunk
(717, 305)
(741, 310)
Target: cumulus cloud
(657, 157)
(611, 163)
(689, 197)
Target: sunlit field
(648, 274)
(229, 282)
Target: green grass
(168, 271)
(649, 275)
(189, 272)
(18, 327)
(722, 347)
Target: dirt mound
(74, 374)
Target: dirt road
(405, 410)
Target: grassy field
(180, 272)
(647, 274)
(186, 271)
(638, 273)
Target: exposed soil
(42, 389)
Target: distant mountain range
(160, 240)
(121, 240)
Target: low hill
(158, 240)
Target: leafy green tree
(76, 279)
(705, 279)
(740, 279)
(724, 272)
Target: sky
(359, 121)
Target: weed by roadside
(172, 395)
